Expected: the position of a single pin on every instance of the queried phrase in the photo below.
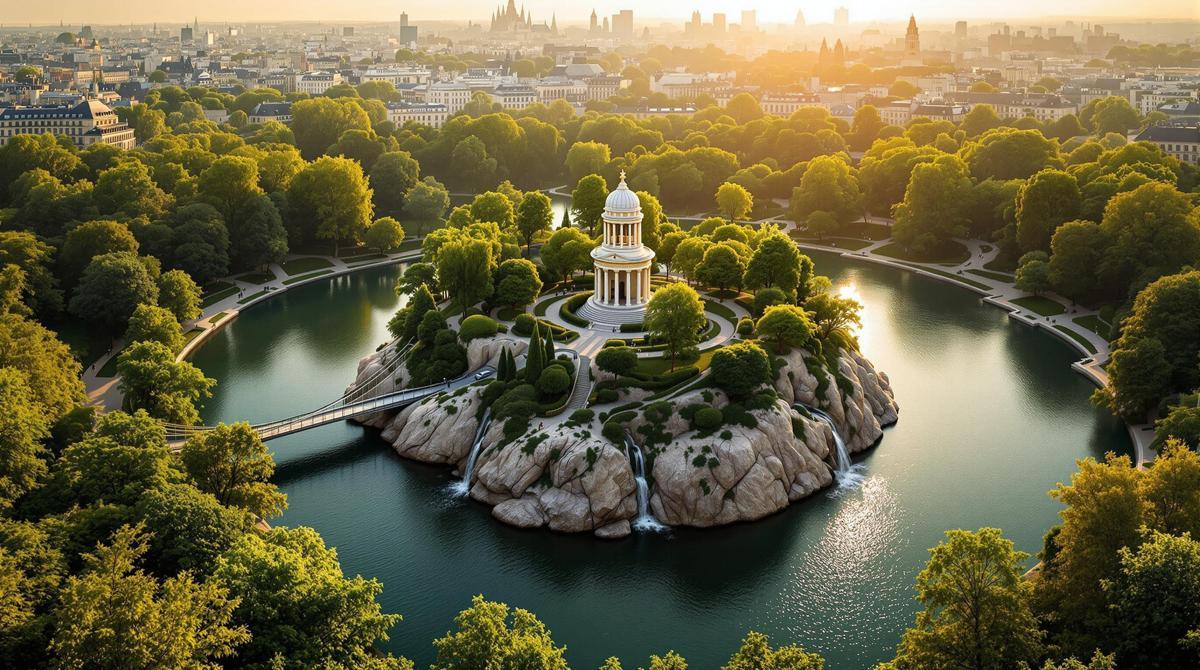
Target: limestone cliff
(565, 475)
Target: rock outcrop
(568, 477)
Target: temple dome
(622, 200)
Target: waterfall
(645, 520)
(463, 487)
(847, 474)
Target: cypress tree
(566, 222)
(510, 367)
(534, 357)
(549, 357)
(502, 365)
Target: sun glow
(850, 290)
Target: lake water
(991, 417)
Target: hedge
(476, 326)
(633, 327)
(568, 309)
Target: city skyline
(576, 12)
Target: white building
(622, 263)
(432, 115)
(316, 83)
(396, 75)
(452, 95)
(86, 123)
(1182, 142)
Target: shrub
(745, 328)
(632, 327)
(553, 381)
(523, 324)
(617, 360)
(606, 396)
(613, 432)
(739, 369)
(767, 297)
(707, 418)
(614, 342)
(582, 415)
(477, 326)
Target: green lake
(991, 417)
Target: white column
(603, 285)
(621, 281)
(637, 288)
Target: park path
(972, 274)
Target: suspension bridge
(364, 397)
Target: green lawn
(413, 244)
(253, 296)
(109, 369)
(191, 335)
(1095, 324)
(302, 277)
(508, 313)
(995, 276)
(1083, 341)
(363, 257)
(720, 310)
(951, 253)
(256, 277)
(216, 318)
(85, 342)
(952, 276)
(1040, 305)
(847, 243)
(1001, 265)
(304, 265)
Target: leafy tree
(465, 270)
(587, 202)
(1113, 114)
(391, 176)
(1076, 251)
(1182, 423)
(932, 211)
(233, 464)
(153, 380)
(23, 426)
(426, 201)
(257, 237)
(151, 323)
(112, 287)
(39, 291)
(979, 120)
(567, 251)
(200, 242)
(976, 607)
(1139, 374)
(553, 381)
(1033, 273)
(775, 262)
(191, 529)
(1166, 310)
(689, 254)
(115, 615)
(787, 326)
(88, 240)
(487, 635)
(46, 364)
(493, 207)
(755, 653)
(229, 184)
(304, 612)
(384, 235)
(1152, 233)
(734, 201)
(821, 224)
(1156, 597)
(827, 186)
(417, 275)
(675, 316)
(1102, 514)
(620, 361)
(473, 168)
(319, 122)
(1048, 199)
(127, 188)
(744, 108)
(330, 200)
(179, 295)
(1005, 153)
(584, 158)
(865, 127)
(533, 216)
(517, 283)
(23, 153)
(831, 313)
(1171, 490)
(721, 267)
(740, 369)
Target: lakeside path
(104, 392)
(974, 276)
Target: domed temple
(622, 263)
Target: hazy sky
(75, 12)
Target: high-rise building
(593, 26)
(749, 21)
(408, 33)
(841, 17)
(695, 24)
(799, 18)
(185, 34)
(960, 29)
(622, 24)
(912, 40)
(719, 23)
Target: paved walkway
(1003, 294)
(104, 392)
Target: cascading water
(848, 474)
(463, 487)
(645, 520)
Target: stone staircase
(601, 317)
